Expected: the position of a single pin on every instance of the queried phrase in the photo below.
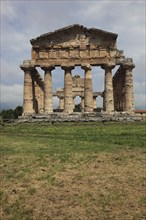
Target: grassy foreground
(73, 171)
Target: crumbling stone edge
(83, 117)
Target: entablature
(77, 53)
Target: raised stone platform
(82, 117)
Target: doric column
(48, 92)
(40, 88)
(73, 103)
(68, 92)
(108, 88)
(103, 101)
(39, 93)
(82, 104)
(61, 103)
(94, 102)
(28, 95)
(88, 91)
(128, 88)
(41, 107)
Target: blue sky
(24, 20)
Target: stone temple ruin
(73, 46)
(78, 90)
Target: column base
(28, 113)
(48, 112)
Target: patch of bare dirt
(109, 187)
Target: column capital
(67, 67)
(86, 67)
(47, 68)
(127, 66)
(107, 66)
(27, 68)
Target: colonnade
(61, 102)
(123, 88)
(110, 97)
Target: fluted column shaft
(68, 91)
(61, 103)
(40, 89)
(48, 91)
(128, 89)
(28, 91)
(73, 103)
(94, 102)
(38, 93)
(108, 88)
(82, 104)
(88, 91)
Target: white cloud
(11, 95)
(126, 18)
(11, 73)
(139, 89)
(7, 10)
(91, 10)
(24, 20)
(140, 100)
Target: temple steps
(82, 117)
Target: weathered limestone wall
(88, 90)
(73, 46)
(61, 103)
(28, 107)
(118, 88)
(129, 95)
(33, 90)
(78, 86)
(38, 93)
(123, 88)
(108, 88)
(94, 102)
(78, 90)
(48, 92)
(68, 92)
(82, 104)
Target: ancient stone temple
(73, 46)
(78, 90)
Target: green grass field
(73, 171)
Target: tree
(18, 111)
(11, 114)
(77, 108)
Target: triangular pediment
(76, 36)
